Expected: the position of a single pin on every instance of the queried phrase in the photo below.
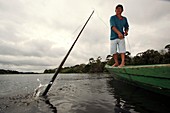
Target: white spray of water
(38, 91)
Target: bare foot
(115, 65)
(121, 65)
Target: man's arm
(126, 27)
(126, 32)
(120, 35)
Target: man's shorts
(117, 45)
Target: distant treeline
(2, 71)
(94, 66)
(97, 66)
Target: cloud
(35, 35)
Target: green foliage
(151, 57)
(49, 71)
(73, 69)
(168, 47)
(2, 71)
(94, 66)
(97, 66)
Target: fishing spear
(63, 61)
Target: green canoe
(151, 77)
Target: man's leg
(122, 50)
(114, 52)
(123, 60)
(115, 57)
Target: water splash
(39, 90)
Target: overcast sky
(36, 34)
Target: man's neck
(119, 16)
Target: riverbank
(3, 71)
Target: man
(119, 29)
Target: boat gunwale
(142, 66)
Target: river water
(77, 93)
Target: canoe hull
(155, 78)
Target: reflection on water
(51, 106)
(131, 97)
(78, 93)
(121, 108)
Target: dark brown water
(77, 93)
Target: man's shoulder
(113, 17)
(124, 17)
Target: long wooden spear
(63, 61)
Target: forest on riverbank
(3, 71)
(148, 57)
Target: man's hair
(119, 5)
